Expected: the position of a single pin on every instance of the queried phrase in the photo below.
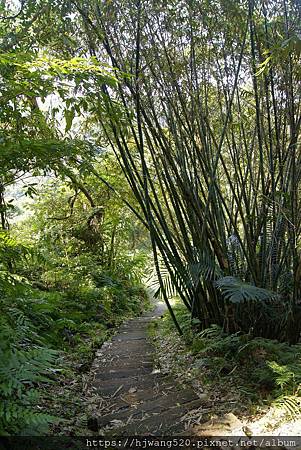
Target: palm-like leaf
(237, 291)
(203, 269)
(154, 287)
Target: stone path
(138, 399)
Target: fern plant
(291, 403)
(24, 365)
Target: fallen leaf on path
(130, 399)
(132, 390)
(117, 390)
(116, 422)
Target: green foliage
(237, 291)
(60, 299)
(35, 326)
(210, 169)
(183, 315)
(216, 175)
(264, 370)
(26, 364)
(175, 281)
(11, 251)
(291, 403)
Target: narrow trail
(138, 399)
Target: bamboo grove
(205, 122)
(200, 102)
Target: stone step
(161, 424)
(128, 347)
(157, 405)
(109, 387)
(144, 401)
(124, 372)
(127, 363)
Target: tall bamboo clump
(205, 123)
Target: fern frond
(291, 403)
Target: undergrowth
(264, 371)
(60, 299)
(47, 339)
